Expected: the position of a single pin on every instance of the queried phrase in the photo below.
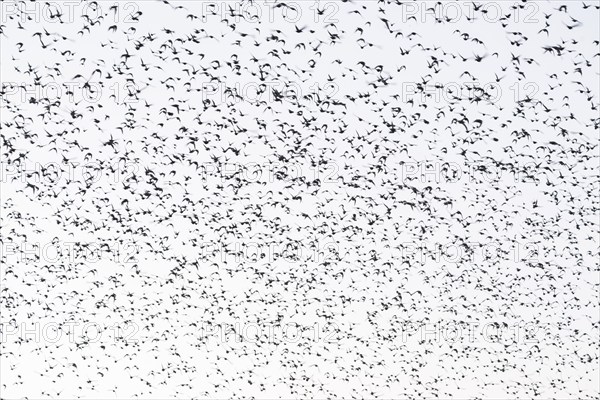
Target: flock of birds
(195, 179)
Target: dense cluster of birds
(194, 178)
